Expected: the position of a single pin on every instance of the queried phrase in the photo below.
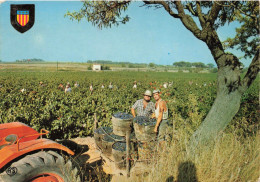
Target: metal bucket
(119, 154)
(144, 131)
(108, 141)
(99, 134)
(121, 126)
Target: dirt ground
(89, 160)
(92, 154)
(97, 167)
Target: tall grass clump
(228, 158)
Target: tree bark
(224, 108)
(221, 113)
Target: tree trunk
(225, 106)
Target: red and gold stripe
(22, 19)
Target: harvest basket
(121, 126)
(99, 134)
(144, 129)
(119, 154)
(108, 141)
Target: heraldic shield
(22, 16)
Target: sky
(151, 36)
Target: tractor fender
(11, 152)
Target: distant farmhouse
(96, 67)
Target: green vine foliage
(189, 99)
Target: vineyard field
(68, 115)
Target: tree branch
(200, 15)
(234, 6)
(115, 4)
(241, 11)
(213, 15)
(188, 21)
(191, 10)
(166, 7)
(252, 72)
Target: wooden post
(128, 153)
(95, 121)
(95, 127)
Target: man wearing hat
(143, 107)
(161, 114)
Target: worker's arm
(133, 112)
(159, 119)
(133, 109)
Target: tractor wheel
(41, 167)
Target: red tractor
(26, 156)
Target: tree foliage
(210, 65)
(198, 65)
(30, 60)
(189, 64)
(247, 36)
(105, 68)
(102, 13)
(151, 65)
(182, 64)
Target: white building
(96, 67)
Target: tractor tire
(41, 167)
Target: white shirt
(157, 111)
(67, 89)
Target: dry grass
(229, 159)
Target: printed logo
(11, 171)
(22, 16)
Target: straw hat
(156, 91)
(148, 92)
